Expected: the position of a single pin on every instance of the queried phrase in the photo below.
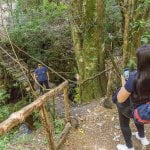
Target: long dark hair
(142, 80)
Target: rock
(23, 129)
(117, 127)
(113, 118)
(81, 131)
(133, 133)
(80, 119)
(88, 110)
(95, 114)
(99, 124)
(74, 122)
(52, 85)
(116, 138)
(107, 103)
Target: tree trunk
(88, 40)
(108, 101)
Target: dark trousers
(43, 83)
(125, 128)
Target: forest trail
(98, 130)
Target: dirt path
(98, 130)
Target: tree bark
(108, 101)
(88, 39)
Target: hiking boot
(144, 140)
(123, 147)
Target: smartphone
(126, 73)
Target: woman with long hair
(134, 92)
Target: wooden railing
(39, 104)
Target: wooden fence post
(53, 111)
(67, 106)
(47, 126)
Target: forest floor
(98, 130)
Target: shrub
(3, 96)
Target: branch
(39, 61)
(114, 64)
(93, 77)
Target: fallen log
(63, 136)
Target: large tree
(135, 14)
(88, 40)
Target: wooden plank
(18, 117)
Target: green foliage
(113, 24)
(77, 96)
(19, 105)
(5, 139)
(113, 15)
(138, 23)
(39, 29)
(4, 113)
(3, 143)
(58, 123)
(146, 35)
(3, 96)
(7, 109)
(59, 126)
(132, 64)
(36, 118)
(32, 27)
(145, 38)
(53, 8)
(25, 139)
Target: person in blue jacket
(134, 92)
(41, 76)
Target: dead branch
(63, 135)
(95, 76)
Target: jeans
(43, 83)
(125, 128)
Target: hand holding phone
(126, 73)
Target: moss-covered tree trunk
(88, 40)
(135, 13)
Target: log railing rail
(39, 104)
